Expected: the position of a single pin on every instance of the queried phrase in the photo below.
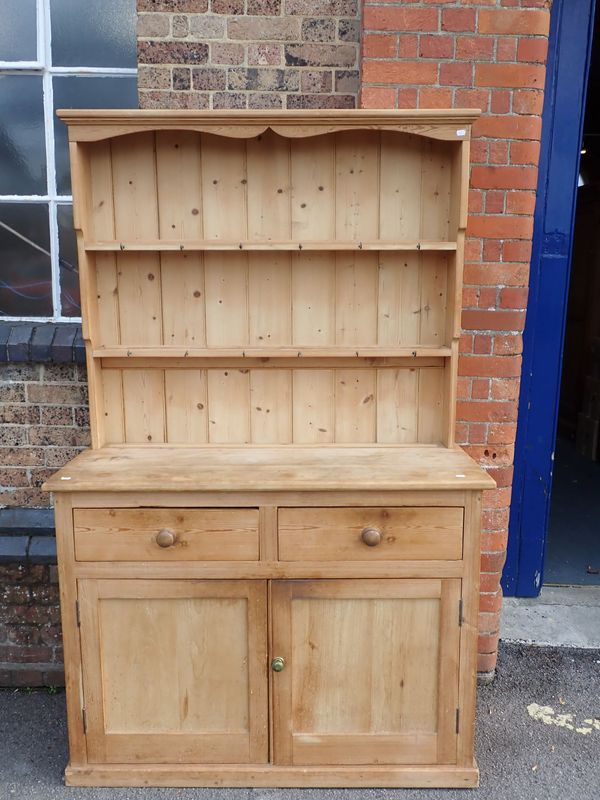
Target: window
(53, 54)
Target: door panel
(569, 53)
(174, 671)
(371, 674)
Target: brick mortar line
(454, 88)
(453, 60)
(247, 43)
(474, 33)
(42, 666)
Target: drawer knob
(165, 538)
(371, 536)
(277, 664)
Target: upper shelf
(216, 245)
(270, 353)
(172, 189)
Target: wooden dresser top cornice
(91, 125)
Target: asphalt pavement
(538, 738)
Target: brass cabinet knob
(277, 664)
(371, 536)
(165, 538)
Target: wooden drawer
(336, 534)
(130, 534)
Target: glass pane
(67, 250)
(22, 146)
(85, 92)
(98, 34)
(26, 276)
(18, 37)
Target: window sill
(27, 536)
(56, 342)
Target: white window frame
(43, 66)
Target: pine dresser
(269, 558)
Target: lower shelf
(114, 775)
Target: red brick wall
(31, 651)
(486, 54)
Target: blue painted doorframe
(562, 127)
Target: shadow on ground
(520, 757)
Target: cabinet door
(371, 671)
(174, 670)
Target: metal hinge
(77, 614)
(460, 612)
(457, 720)
(84, 718)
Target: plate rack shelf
(321, 262)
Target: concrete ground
(538, 739)
(566, 616)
